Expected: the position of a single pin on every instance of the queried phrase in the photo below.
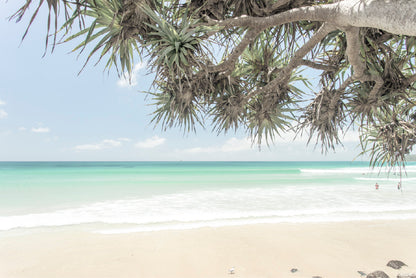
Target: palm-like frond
(177, 51)
(115, 38)
(269, 113)
(260, 60)
(390, 66)
(264, 122)
(176, 108)
(389, 141)
(228, 108)
(220, 9)
(54, 7)
(325, 117)
(175, 48)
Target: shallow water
(147, 196)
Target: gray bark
(394, 16)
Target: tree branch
(322, 32)
(359, 66)
(229, 64)
(313, 13)
(396, 17)
(372, 97)
(353, 53)
(317, 66)
(297, 58)
(345, 84)
(411, 79)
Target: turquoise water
(143, 196)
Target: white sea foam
(213, 208)
(359, 170)
(388, 179)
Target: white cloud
(351, 136)
(150, 143)
(22, 128)
(201, 150)
(3, 114)
(236, 145)
(124, 139)
(88, 147)
(130, 81)
(52, 139)
(111, 143)
(40, 129)
(287, 140)
(6, 133)
(105, 144)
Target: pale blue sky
(48, 112)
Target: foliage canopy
(238, 63)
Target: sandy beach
(336, 250)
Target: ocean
(124, 197)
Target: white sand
(335, 250)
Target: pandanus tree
(238, 63)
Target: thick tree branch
(396, 17)
(229, 64)
(317, 66)
(372, 98)
(345, 84)
(353, 53)
(297, 58)
(354, 57)
(312, 13)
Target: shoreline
(331, 249)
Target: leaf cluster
(183, 46)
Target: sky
(49, 112)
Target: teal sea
(122, 197)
